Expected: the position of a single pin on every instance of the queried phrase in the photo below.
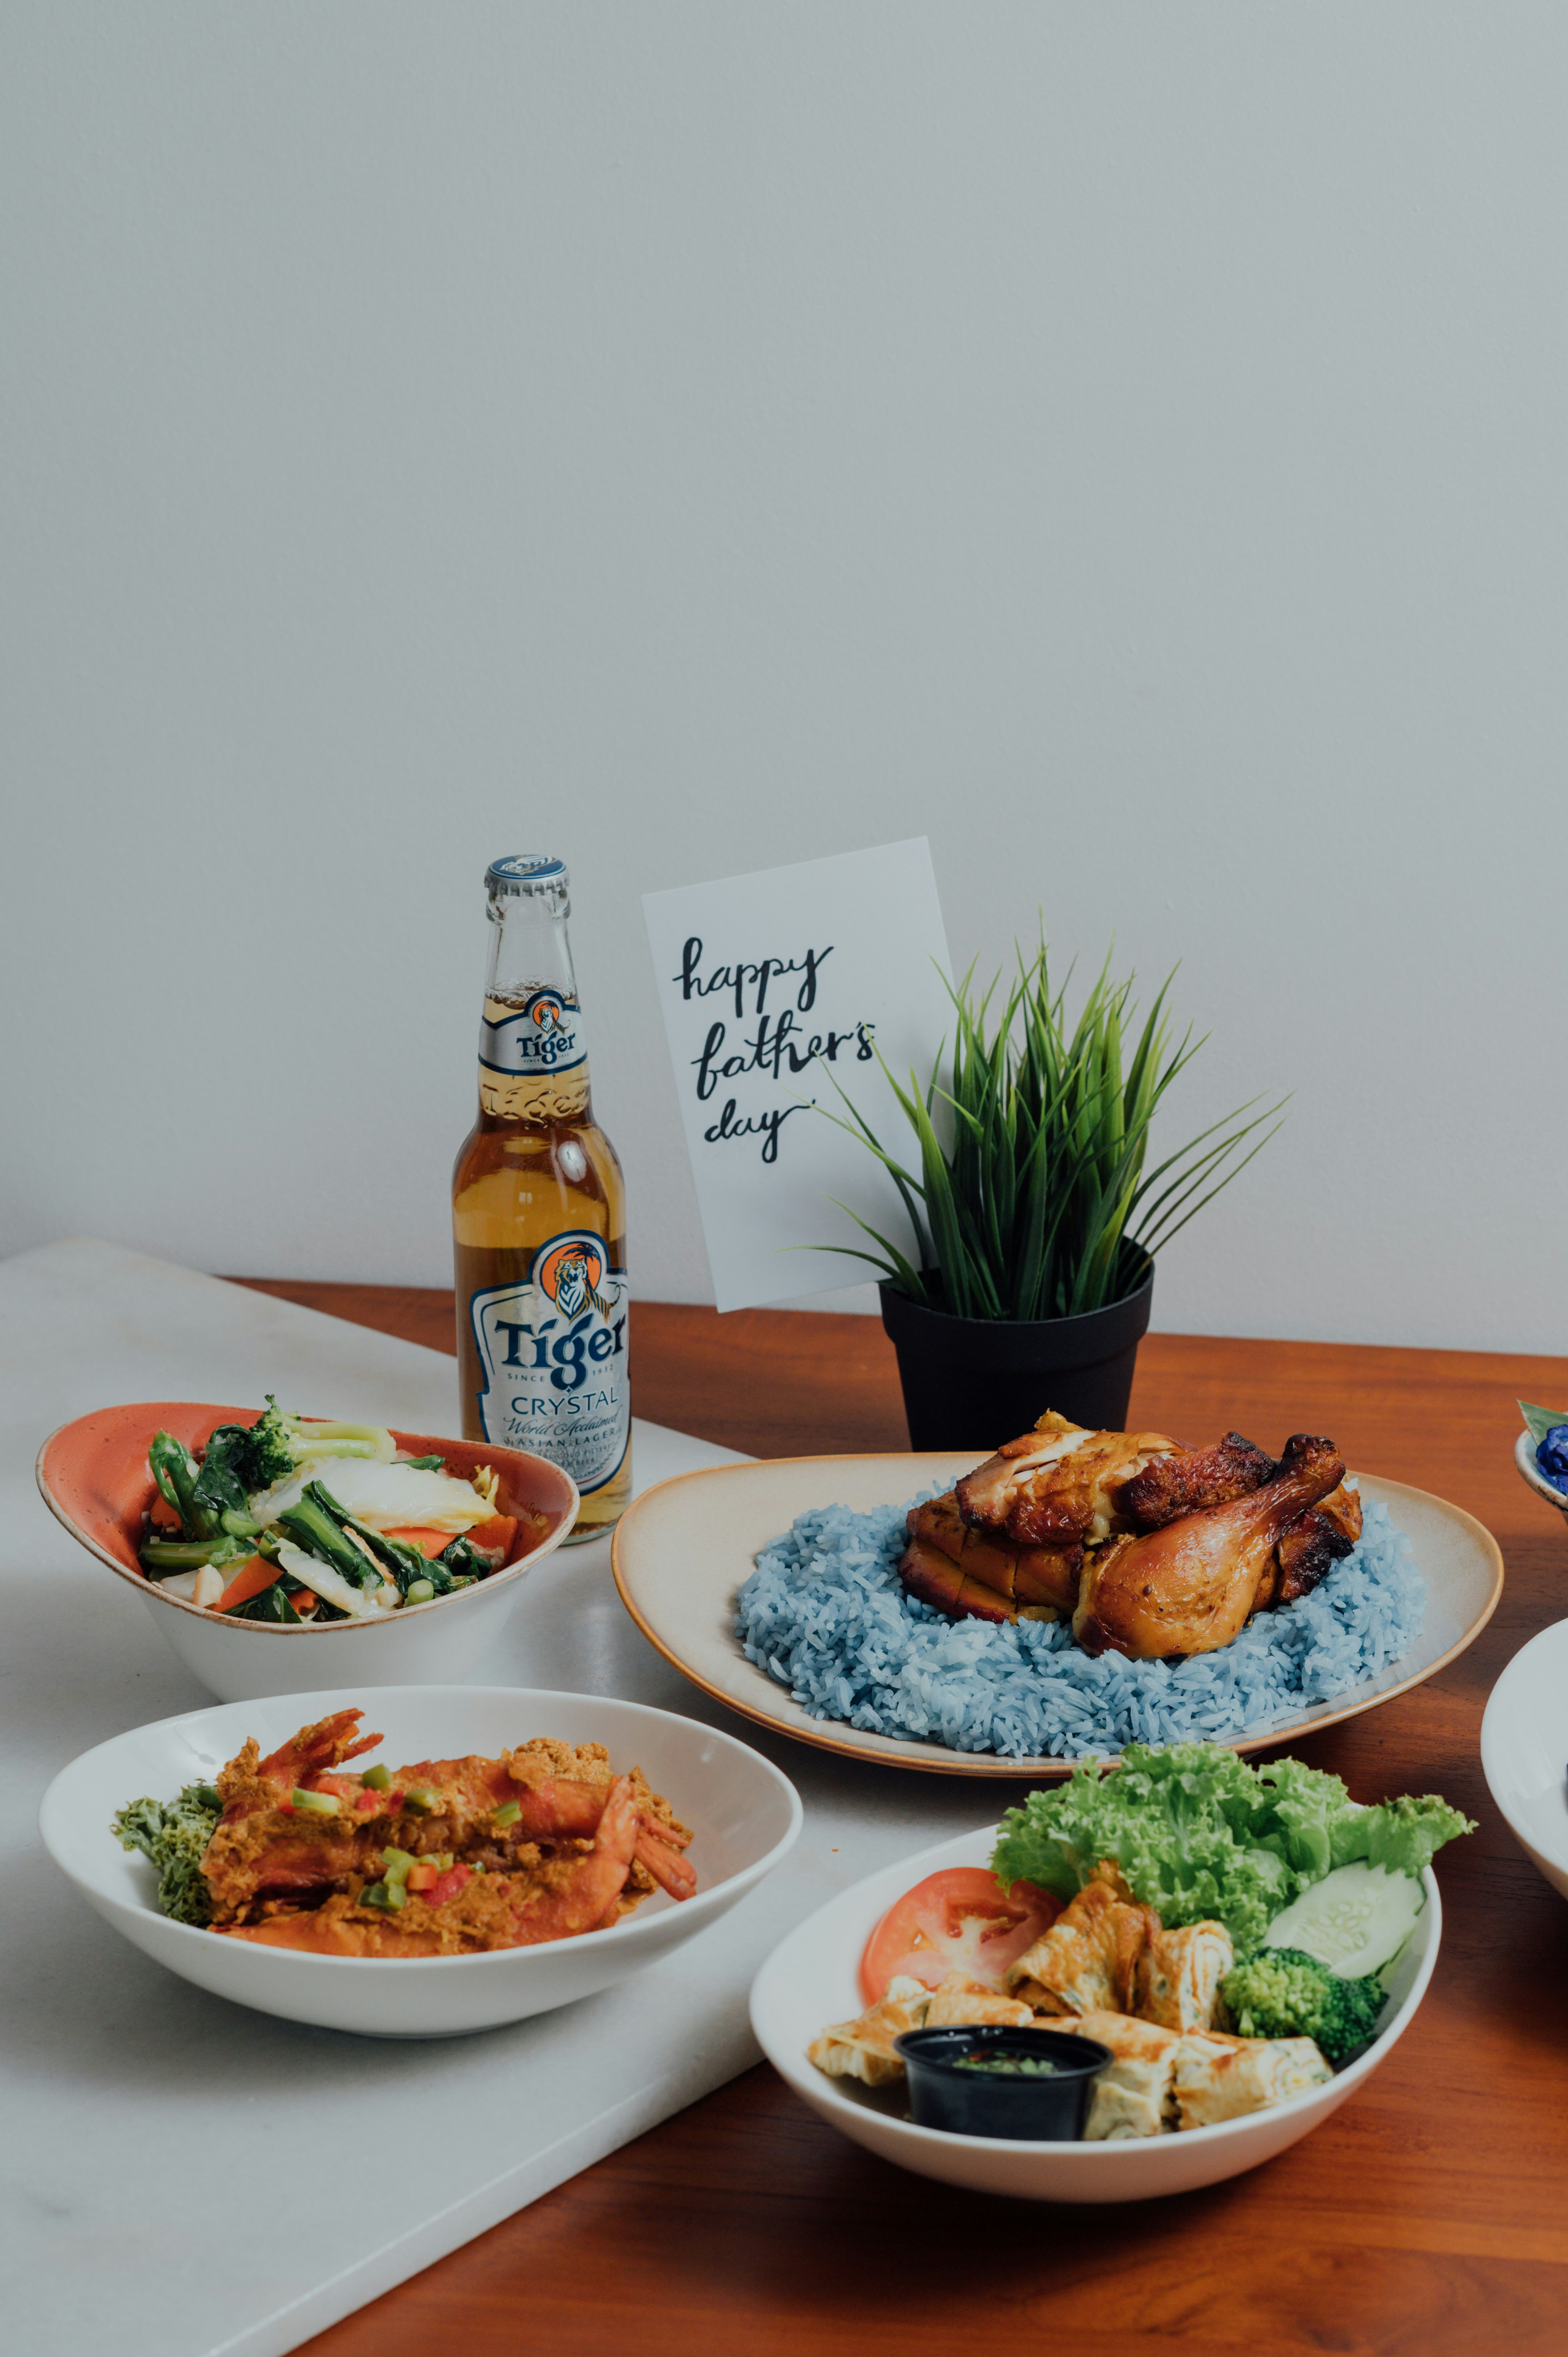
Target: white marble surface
(182, 2177)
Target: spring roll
(1135, 2095)
(1088, 1961)
(863, 2049)
(1179, 1974)
(1223, 2078)
(958, 2002)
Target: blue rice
(826, 1615)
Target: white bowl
(93, 1478)
(1532, 1476)
(744, 1817)
(811, 1979)
(1524, 1750)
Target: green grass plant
(1034, 1197)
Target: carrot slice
(162, 1516)
(252, 1578)
(496, 1537)
(429, 1542)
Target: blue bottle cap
(523, 868)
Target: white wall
(1125, 442)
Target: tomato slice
(960, 1921)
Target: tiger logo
(571, 1273)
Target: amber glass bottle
(538, 1214)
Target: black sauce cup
(1029, 2107)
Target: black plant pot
(972, 1383)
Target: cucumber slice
(1355, 1920)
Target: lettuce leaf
(1403, 1834)
(1199, 1834)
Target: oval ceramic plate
(681, 1550)
(811, 1980)
(1524, 1750)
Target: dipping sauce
(1003, 2065)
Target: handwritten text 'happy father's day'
(772, 1049)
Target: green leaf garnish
(1541, 1420)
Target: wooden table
(1430, 2214)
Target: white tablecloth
(182, 2176)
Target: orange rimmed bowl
(94, 1479)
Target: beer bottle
(538, 1214)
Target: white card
(769, 983)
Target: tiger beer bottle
(538, 1214)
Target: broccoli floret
(276, 1443)
(1284, 1993)
(263, 1455)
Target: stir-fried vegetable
(252, 1529)
(276, 1443)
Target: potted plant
(1036, 1213)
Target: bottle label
(552, 1358)
(543, 1034)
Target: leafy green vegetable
(174, 1835)
(221, 1484)
(160, 1556)
(1542, 1420)
(317, 1525)
(461, 1560)
(1402, 1835)
(176, 1473)
(272, 1604)
(1285, 1993)
(403, 1561)
(425, 1464)
(1199, 1834)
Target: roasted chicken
(1059, 1485)
(1192, 1586)
(1152, 1549)
(974, 1573)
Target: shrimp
(558, 1899)
(260, 1848)
(580, 1894)
(550, 1809)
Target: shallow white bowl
(1532, 1476)
(744, 1817)
(811, 1979)
(1524, 1750)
